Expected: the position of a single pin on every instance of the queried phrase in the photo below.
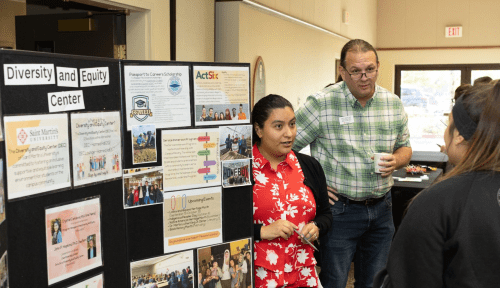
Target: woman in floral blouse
(289, 194)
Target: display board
(188, 157)
(109, 166)
(42, 94)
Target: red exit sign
(453, 31)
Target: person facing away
(450, 234)
(345, 124)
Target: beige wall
(8, 11)
(389, 59)
(328, 14)
(410, 23)
(298, 60)
(195, 30)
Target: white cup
(376, 160)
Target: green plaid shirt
(345, 150)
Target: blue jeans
(359, 233)
(147, 199)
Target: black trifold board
(127, 234)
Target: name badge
(346, 120)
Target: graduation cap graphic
(140, 107)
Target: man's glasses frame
(358, 76)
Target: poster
(73, 237)
(192, 218)
(4, 271)
(37, 150)
(157, 95)
(224, 91)
(97, 148)
(2, 195)
(235, 142)
(142, 186)
(236, 173)
(144, 144)
(161, 269)
(190, 158)
(94, 282)
(236, 254)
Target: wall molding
(438, 48)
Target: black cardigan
(449, 237)
(314, 178)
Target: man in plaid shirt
(345, 124)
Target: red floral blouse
(281, 194)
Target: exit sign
(453, 31)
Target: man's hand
(331, 195)
(280, 228)
(389, 163)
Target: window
(427, 92)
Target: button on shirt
(281, 194)
(344, 136)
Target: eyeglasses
(370, 73)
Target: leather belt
(366, 202)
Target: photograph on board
(236, 173)
(235, 142)
(144, 143)
(226, 264)
(4, 271)
(172, 270)
(142, 186)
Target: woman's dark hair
(263, 109)
(481, 103)
(461, 90)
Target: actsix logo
(207, 75)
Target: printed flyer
(157, 95)
(190, 158)
(37, 150)
(236, 173)
(192, 218)
(142, 186)
(97, 147)
(94, 282)
(221, 95)
(73, 237)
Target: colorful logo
(174, 85)
(140, 108)
(22, 136)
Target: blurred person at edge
(449, 236)
(345, 124)
(289, 195)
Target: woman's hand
(280, 228)
(310, 232)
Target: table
(403, 192)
